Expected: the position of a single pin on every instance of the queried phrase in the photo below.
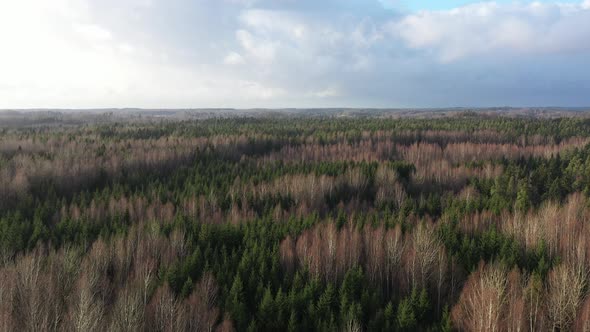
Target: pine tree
(406, 318)
(389, 317)
(293, 322)
(253, 326)
(326, 302)
(235, 303)
(423, 305)
(187, 288)
(281, 306)
(523, 197)
(446, 324)
(267, 311)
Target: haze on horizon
(287, 53)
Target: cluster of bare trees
(302, 188)
(113, 286)
(309, 192)
(396, 261)
(388, 187)
(138, 208)
(441, 137)
(31, 161)
(495, 299)
(435, 163)
(416, 152)
(561, 228)
(454, 177)
(198, 312)
(73, 165)
(444, 137)
(308, 189)
(457, 153)
(364, 150)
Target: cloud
(66, 56)
(327, 93)
(92, 32)
(497, 29)
(268, 53)
(310, 46)
(233, 58)
(261, 49)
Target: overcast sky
(293, 53)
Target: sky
(293, 53)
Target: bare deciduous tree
(565, 287)
(200, 309)
(165, 313)
(87, 310)
(128, 310)
(482, 300)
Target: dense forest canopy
(467, 221)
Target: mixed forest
(464, 222)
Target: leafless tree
(165, 312)
(564, 294)
(87, 310)
(482, 300)
(128, 310)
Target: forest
(467, 221)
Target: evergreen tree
(389, 317)
(267, 311)
(293, 324)
(523, 202)
(446, 324)
(406, 317)
(187, 288)
(235, 303)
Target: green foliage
(235, 303)
(406, 317)
(523, 197)
(446, 322)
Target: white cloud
(327, 93)
(261, 49)
(485, 28)
(366, 35)
(273, 21)
(233, 58)
(126, 48)
(92, 32)
(257, 90)
(313, 44)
